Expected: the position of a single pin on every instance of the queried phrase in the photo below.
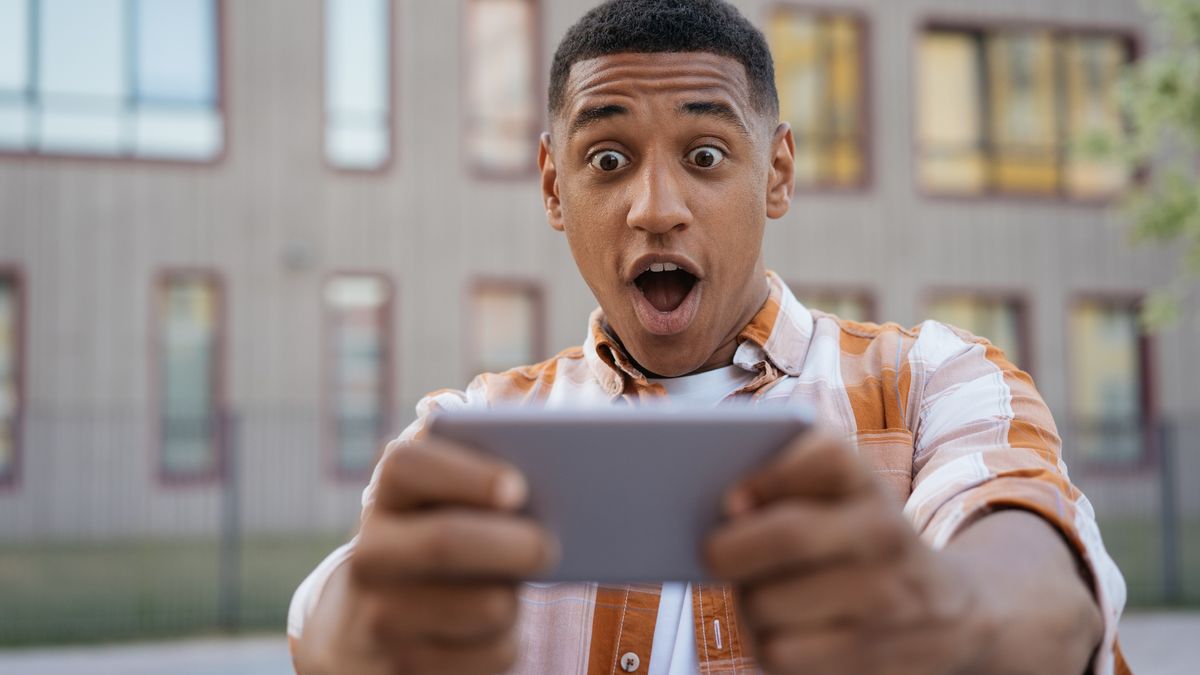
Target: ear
(549, 184)
(781, 181)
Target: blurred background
(239, 239)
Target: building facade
(239, 242)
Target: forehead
(638, 77)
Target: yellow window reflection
(950, 113)
(854, 305)
(1105, 369)
(1000, 320)
(1093, 68)
(819, 75)
(1023, 112)
(1007, 111)
(502, 109)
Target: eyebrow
(591, 116)
(716, 109)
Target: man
(665, 158)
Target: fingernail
(510, 490)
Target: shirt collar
(780, 333)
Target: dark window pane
(357, 311)
(189, 309)
(9, 359)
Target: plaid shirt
(953, 428)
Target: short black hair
(652, 26)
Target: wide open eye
(609, 160)
(706, 156)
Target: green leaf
(1160, 310)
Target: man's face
(662, 174)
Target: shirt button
(630, 662)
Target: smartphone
(631, 493)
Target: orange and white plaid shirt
(943, 418)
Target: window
(850, 304)
(507, 325)
(10, 375)
(1012, 111)
(189, 311)
(357, 83)
(1001, 320)
(1108, 388)
(124, 78)
(501, 97)
(358, 319)
(820, 76)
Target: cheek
(741, 208)
(592, 218)
(590, 235)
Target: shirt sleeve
(304, 600)
(984, 440)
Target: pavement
(1160, 643)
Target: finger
(799, 537)
(488, 657)
(825, 651)
(436, 472)
(815, 466)
(445, 612)
(451, 544)
(840, 595)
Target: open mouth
(665, 286)
(667, 298)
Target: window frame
(538, 83)
(1149, 457)
(330, 450)
(219, 471)
(866, 111)
(864, 293)
(220, 107)
(393, 96)
(1134, 39)
(536, 290)
(14, 274)
(1020, 299)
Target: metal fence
(93, 547)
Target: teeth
(662, 267)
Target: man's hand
(432, 584)
(833, 579)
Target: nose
(659, 202)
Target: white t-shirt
(673, 651)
